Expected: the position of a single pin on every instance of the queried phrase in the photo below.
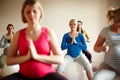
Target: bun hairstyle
(113, 14)
(110, 13)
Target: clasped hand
(32, 53)
(73, 40)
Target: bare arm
(100, 45)
(86, 36)
(56, 58)
(11, 56)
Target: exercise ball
(75, 72)
(7, 70)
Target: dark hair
(80, 22)
(81, 27)
(9, 26)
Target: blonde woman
(34, 44)
(74, 42)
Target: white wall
(91, 12)
(57, 15)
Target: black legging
(50, 76)
(88, 55)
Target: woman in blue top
(75, 42)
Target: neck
(10, 33)
(34, 27)
(73, 32)
(79, 30)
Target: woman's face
(32, 14)
(79, 26)
(10, 28)
(73, 25)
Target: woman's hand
(105, 48)
(73, 40)
(33, 50)
(29, 56)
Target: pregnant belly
(34, 69)
(113, 60)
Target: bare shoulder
(52, 36)
(50, 32)
(16, 35)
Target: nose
(31, 13)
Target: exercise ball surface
(7, 70)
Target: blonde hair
(32, 3)
(113, 14)
(72, 20)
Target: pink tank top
(33, 68)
